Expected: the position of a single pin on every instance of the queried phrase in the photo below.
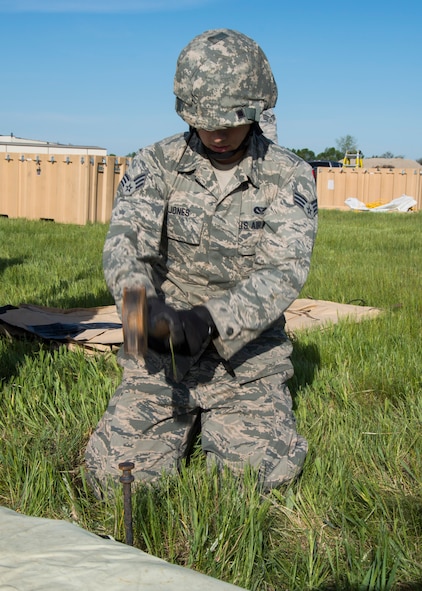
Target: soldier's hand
(198, 327)
(163, 323)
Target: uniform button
(229, 331)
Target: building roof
(11, 143)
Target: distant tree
(330, 154)
(346, 143)
(390, 155)
(419, 160)
(131, 155)
(386, 155)
(304, 153)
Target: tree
(346, 143)
(330, 154)
(304, 153)
(387, 155)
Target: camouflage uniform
(244, 252)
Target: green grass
(52, 264)
(352, 521)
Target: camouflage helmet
(223, 79)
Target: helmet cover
(223, 79)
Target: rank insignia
(129, 185)
(309, 207)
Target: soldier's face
(221, 141)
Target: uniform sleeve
(281, 266)
(132, 244)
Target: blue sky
(100, 72)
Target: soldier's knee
(278, 470)
(151, 458)
(273, 469)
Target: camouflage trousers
(153, 422)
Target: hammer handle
(134, 321)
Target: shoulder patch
(130, 185)
(309, 207)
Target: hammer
(135, 322)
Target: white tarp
(403, 203)
(38, 554)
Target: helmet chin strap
(221, 156)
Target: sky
(100, 72)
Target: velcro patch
(129, 185)
(309, 207)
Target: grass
(352, 521)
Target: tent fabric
(100, 328)
(39, 554)
(402, 204)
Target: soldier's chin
(222, 155)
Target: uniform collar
(194, 158)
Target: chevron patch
(129, 185)
(309, 207)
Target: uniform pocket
(249, 235)
(184, 222)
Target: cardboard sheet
(101, 327)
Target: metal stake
(126, 479)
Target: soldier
(218, 224)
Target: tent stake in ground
(126, 479)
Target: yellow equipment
(353, 159)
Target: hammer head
(135, 321)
